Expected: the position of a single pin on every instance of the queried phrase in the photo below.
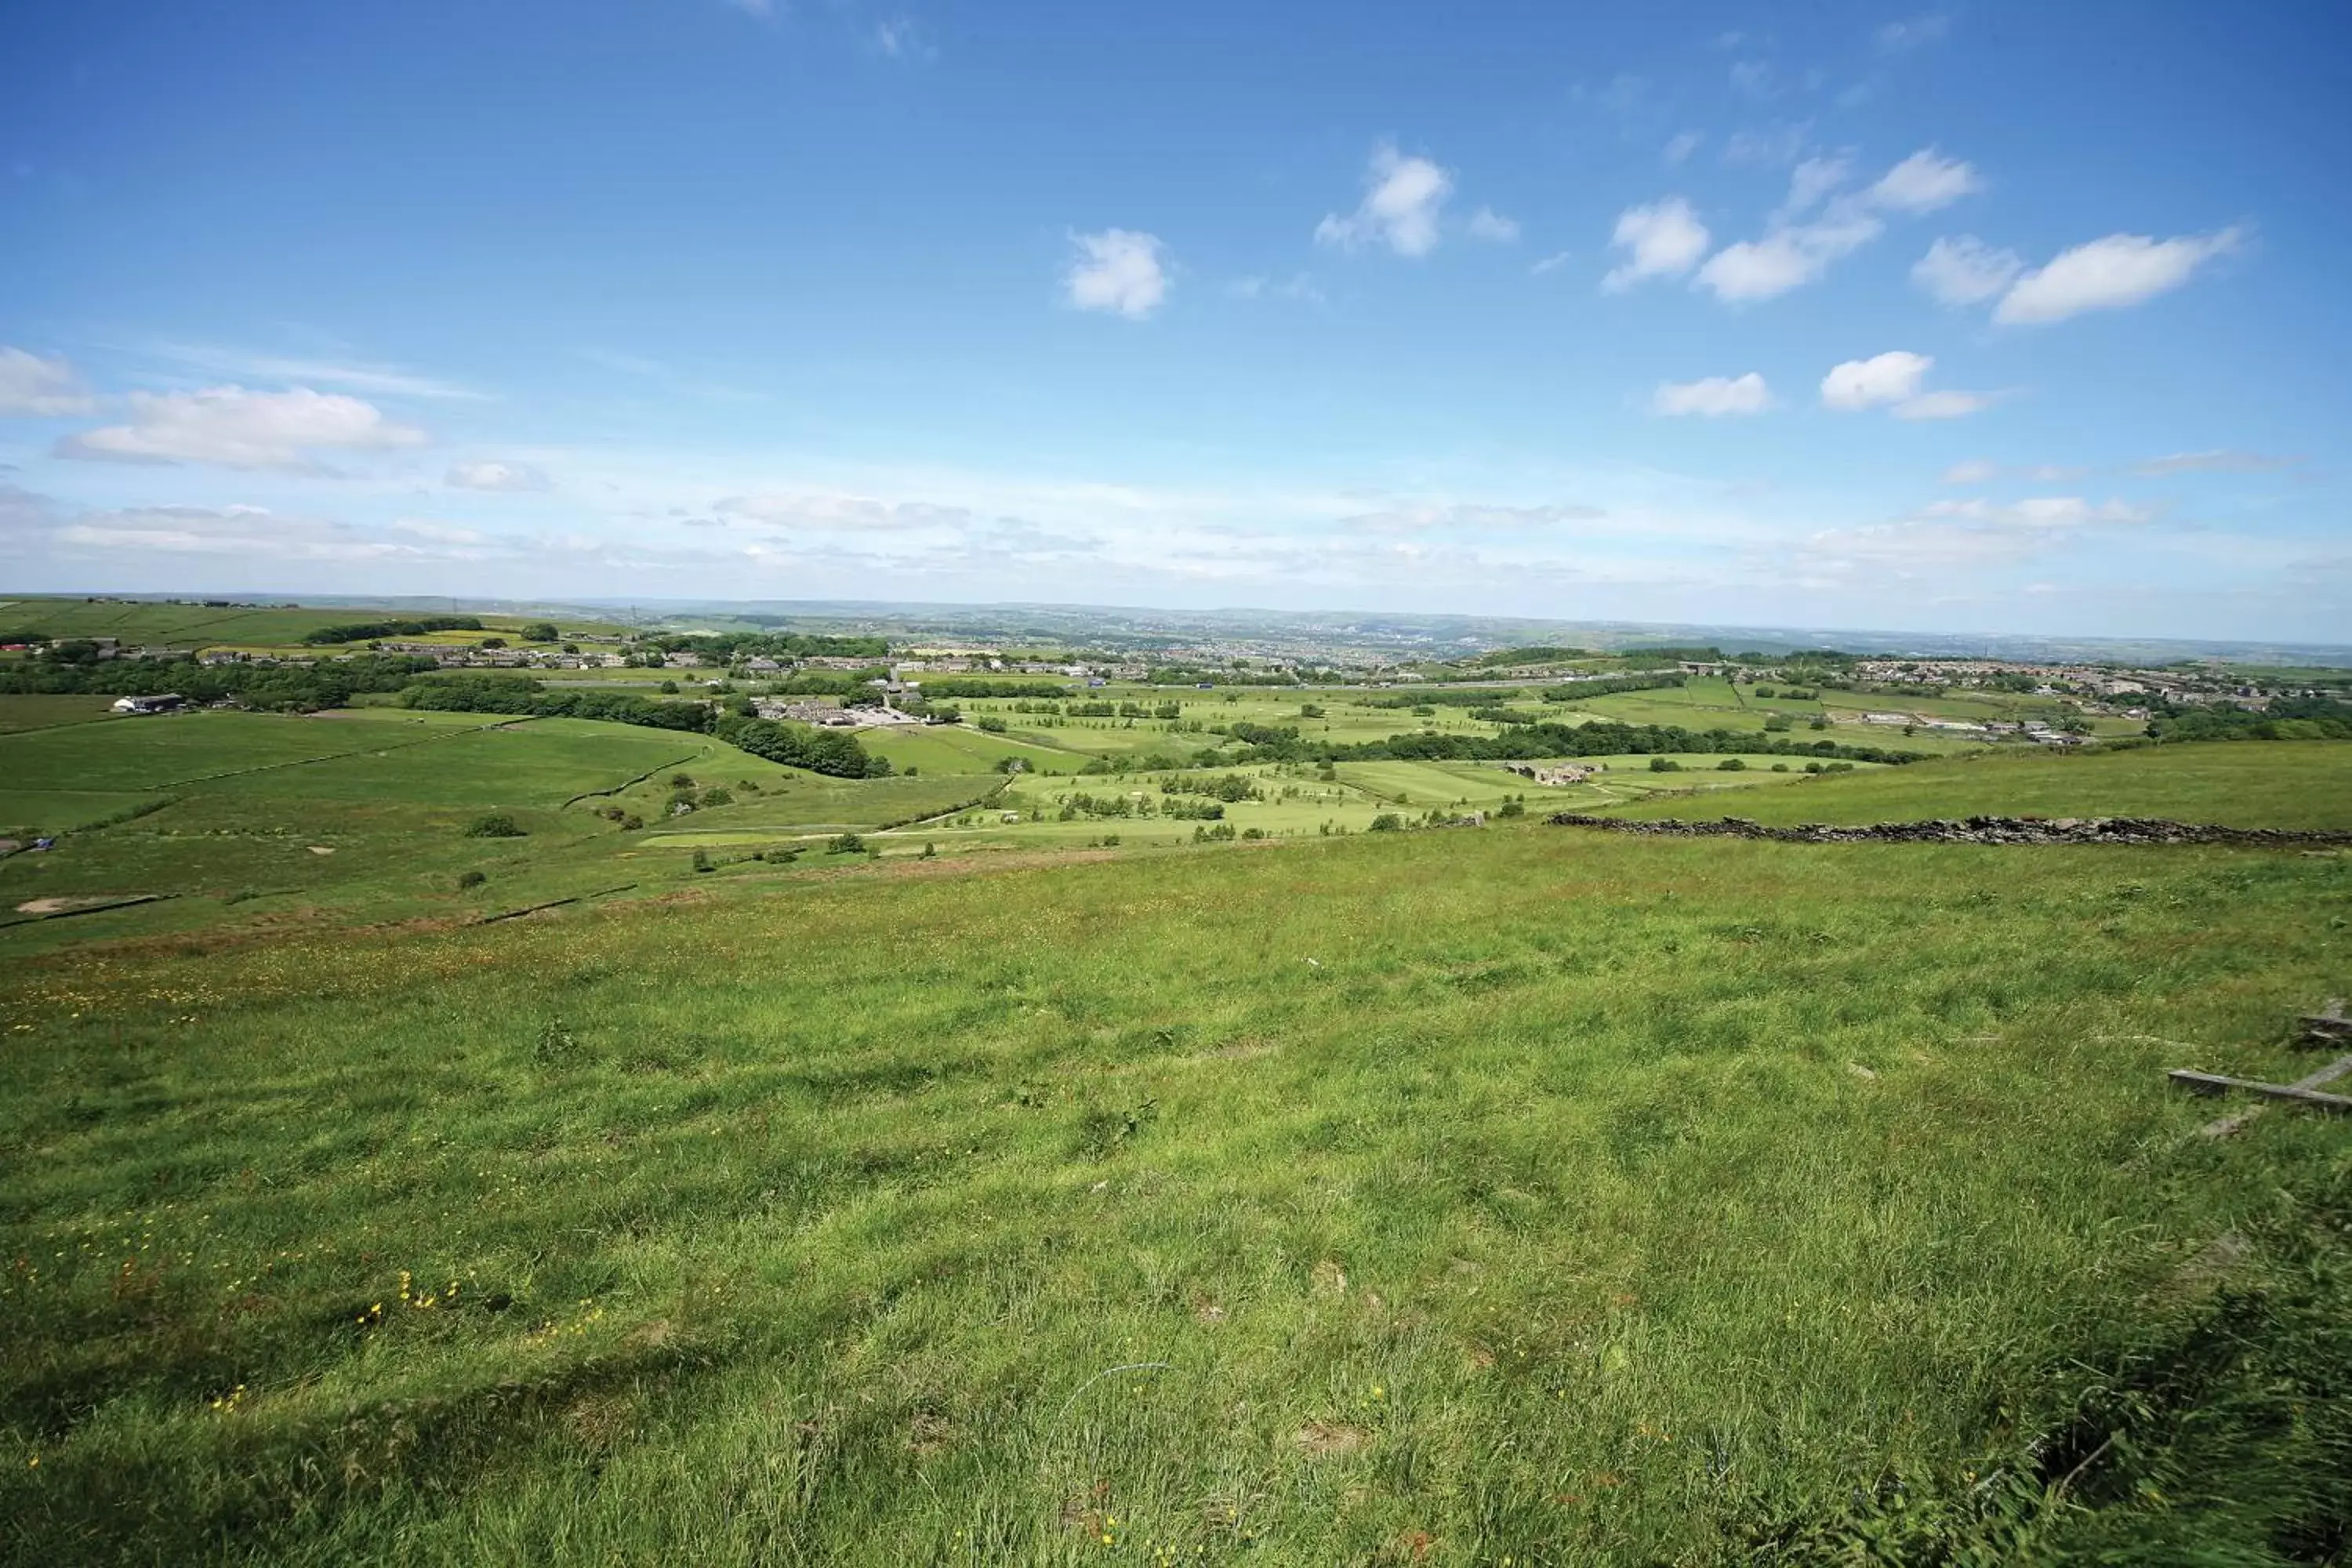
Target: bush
(991, 724)
(496, 824)
(632, 823)
(702, 860)
(1664, 765)
(718, 794)
(470, 880)
(910, 770)
(540, 631)
(681, 781)
(667, 688)
(1511, 808)
(1388, 822)
(847, 843)
(1732, 765)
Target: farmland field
(184, 625)
(2288, 785)
(1525, 1192)
(791, 1185)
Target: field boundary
(1972, 830)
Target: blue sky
(1995, 317)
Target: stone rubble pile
(1975, 830)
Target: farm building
(169, 702)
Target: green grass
(2282, 783)
(1430, 1197)
(19, 714)
(189, 627)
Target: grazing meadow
(430, 1137)
(1527, 1194)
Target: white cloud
(1808, 183)
(1555, 260)
(1488, 224)
(2038, 512)
(2108, 274)
(1402, 199)
(1116, 270)
(2216, 462)
(1943, 405)
(1300, 286)
(1792, 254)
(1965, 270)
(239, 429)
(496, 476)
(249, 534)
(38, 387)
(1471, 517)
(839, 513)
(1753, 78)
(1890, 377)
(384, 380)
(1682, 147)
(1924, 183)
(1788, 257)
(1713, 396)
(1662, 240)
(1973, 471)
(903, 38)
(438, 532)
(1767, 145)
(1896, 37)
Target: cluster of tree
(1115, 709)
(1594, 739)
(1615, 686)
(1194, 675)
(1538, 655)
(1228, 787)
(970, 686)
(524, 697)
(1444, 697)
(374, 631)
(2314, 718)
(724, 648)
(833, 751)
(298, 688)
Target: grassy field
(19, 714)
(148, 623)
(2287, 783)
(1524, 1195)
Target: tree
(494, 642)
(542, 631)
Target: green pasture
(1525, 1194)
(39, 810)
(960, 749)
(216, 626)
(2275, 783)
(18, 714)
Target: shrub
(1388, 822)
(1732, 765)
(702, 860)
(1511, 808)
(667, 688)
(470, 880)
(496, 824)
(847, 843)
(1664, 765)
(930, 850)
(718, 794)
(991, 724)
(910, 770)
(631, 823)
(681, 781)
